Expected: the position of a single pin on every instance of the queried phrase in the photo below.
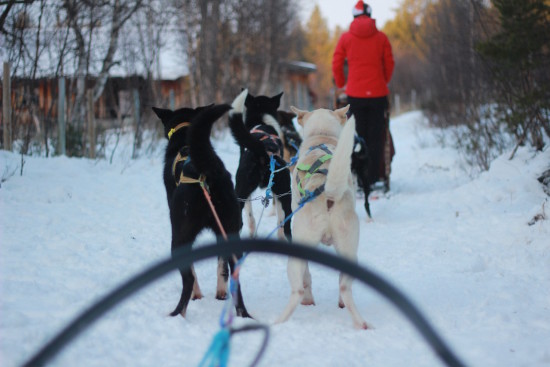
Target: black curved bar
(186, 257)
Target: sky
(338, 12)
(460, 247)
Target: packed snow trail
(461, 248)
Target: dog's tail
(339, 169)
(201, 151)
(239, 131)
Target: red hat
(361, 9)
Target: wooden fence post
(62, 131)
(91, 123)
(6, 107)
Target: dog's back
(328, 145)
(201, 151)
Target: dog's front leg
(308, 293)
(278, 206)
(346, 237)
(296, 269)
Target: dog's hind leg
(273, 211)
(346, 299)
(300, 282)
(250, 216)
(278, 206)
(281, 188)
(245, 184)
(295, 271)
(308, 293)
(183, 235)
(345, 231)
(187, 279)
(197, 293)
(240, 308)
(223, 276)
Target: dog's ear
(299, 114)
(162, 113)
(277, 97)
(202, 108)
(286, 114)
(285, 118)
(248, 99)
(239, 103)
(342, 114)
(276, 100)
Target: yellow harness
(189, 180)
(182, 158)
(311, 169)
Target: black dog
(360, 158)
(189, 160)
(254, 125)
(359, 166)
(291, 138)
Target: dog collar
(179, 126)
(276, 143)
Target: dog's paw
(238, 103)
(244, 313)
(196, 296)
(221, 295)
(361, 325)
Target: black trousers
(371, 125)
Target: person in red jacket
(370, 66)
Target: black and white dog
(254, 125)
(190, 162)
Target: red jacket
(370, 60)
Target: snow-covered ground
(461, 248)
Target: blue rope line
(291, 163)
(218, 353)
(226, 317)
(310, 195)
(268, 195)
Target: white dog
(330, 218)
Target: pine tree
(520, 60)
(319, 50)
